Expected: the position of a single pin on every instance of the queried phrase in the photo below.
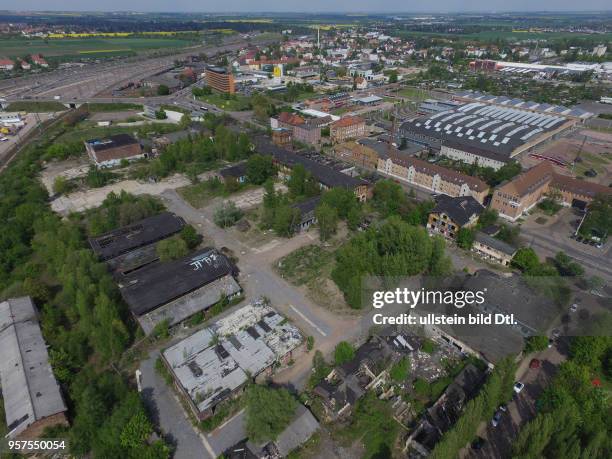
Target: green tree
(327, 219)
(227, 214)
(297, 180)
(171, 248)
(536, 344)
(566, 266)
(487, 218)
(440, 264)
(110, 336)
(344, 352)
(268, 412)
(136, 431)
(163, 90)
(526, 260)
(465, 238)
(285, 219)
(190, 236)
(388, 197)
(259, 168)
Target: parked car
(503, 407)
(518, 387)
(574, 307)
(534, 364)
(496, 419)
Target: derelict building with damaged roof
(158, 291)
(175, 290)
(214, 364)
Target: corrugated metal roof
(29, 388)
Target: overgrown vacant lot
(310, 267)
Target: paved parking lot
(522, 408)
(549, 238)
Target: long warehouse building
(175, 290)
(486, 134)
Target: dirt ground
(595, 150)
(69, 169)
(83, 200)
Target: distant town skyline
(313, 6)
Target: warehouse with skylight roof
(490, 135)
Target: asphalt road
(167, 412)
(550, 239)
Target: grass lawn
(592, 161)
(111, 107)
(35, 107)
(86, 47)
(413, 93)
(236, 103)
(200, 194)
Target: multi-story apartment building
(517, 196)
(220, 79)
(349, 127)
(306, 131)
(355, 153)
(431, 176)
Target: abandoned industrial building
(326, 176)
(300, 429)
(139, 234)
(32, 397)
(368, 370)
(445, 412)
(175, 290)
(111, 151)
(215, 363)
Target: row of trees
(496, 391)
(573, 419)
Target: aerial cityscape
(300, 231)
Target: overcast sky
(306, 6)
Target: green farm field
(489, 35)
(86, 47)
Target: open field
(35, 107)
(488, 35)
(87, 47)
(235, 104)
